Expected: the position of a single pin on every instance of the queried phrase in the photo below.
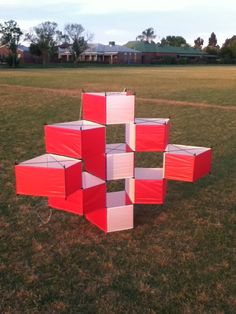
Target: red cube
(148, 135)
(78, 139)
(92, 196)
(147, 187)
(108, 108)
(49, 175)
(186, 163)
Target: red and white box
(147, 187)
(186, 163)
(118, 214)
(77, 139)
(119, 162)
(92, 196)
(108, 108)
(49, 175)
(148, 135)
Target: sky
(123, 20)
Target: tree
(212, 42)
(75, 35)
(44, 38)
(147, 35)
(212, 47)
(228, 49)
(10, 36)
(175, 41)
(198, 43)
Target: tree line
(45, 38)
(227, 51)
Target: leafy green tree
(175, 41)
(75, 35)
(148, 35)
(44, 38)
(34, 50)
(212, 50)
(228, 49)
(10, 36)
(198, 43)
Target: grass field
(180, 258)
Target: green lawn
(179, 258)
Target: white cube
(120, 162)
(119, 212)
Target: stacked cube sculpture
(78, 163)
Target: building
(64, 53)
(134, 52)
(23, 54)
(111, 54)
(152, 53)
(99, 53)
(5, 52)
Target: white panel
(120, 218)
(120, 166)
(148, 173)
(151, 121)
(78, 125)
(116, 148)
(120, 109)
(103, 94)
(51, 161)
(130, 135)
(115, 199)
(89, 180)
(164, 165)
(129, 188)
(185, 149)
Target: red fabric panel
(94, 198)
(40, 181)
(127, 200)
(94, 108)
(179, 167)
(96, 165)
(73, 178)
(73, 204)
(63, 141)
(94, 141)
(81, 201)
(202, 164)
(128, 149)
(98, 218)
(151, 138)
(150, 191)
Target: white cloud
(25, 24)
(123, 20)
(116, 32)
(132, 6)
(95, 7)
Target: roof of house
(64, 45)
(152, 47)
(142, 46)
(23, 48)
(101, 49)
